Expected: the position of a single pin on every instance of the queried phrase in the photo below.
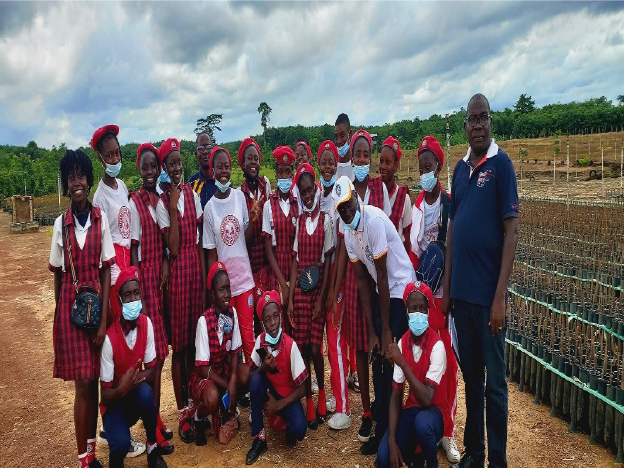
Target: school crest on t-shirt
(230, 229)
(123, 221)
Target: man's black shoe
(291, 441)
(364, 433)
(258, 447)
(167, 433)
(155, 459)
(96, 463)
(468, 460)
(313, 424)
(370, 447)
(321, 419)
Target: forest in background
(33, 170)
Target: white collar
(493, 149)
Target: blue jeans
(479, 350)
(382, 370)
(119, 417)
(293, 414)
(416, 426)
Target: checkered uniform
(398, 208)
(355, 322)
(74, 357)
(256, 248)
(184, 290)
(308, 331)
(151, 243)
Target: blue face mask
(113, 169)
(164, 177)
(131, 310)
(361, 172)
(354, 223)
(428, 181)
(329, 183)
(223, 187)
(417, 322)
(274, 340)
(284, 185)
(343, 150)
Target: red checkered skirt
(149, 275)
(355, 321)
(308, 330)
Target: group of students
(243, 283)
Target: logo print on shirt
(230, 229)
(484, 177)
(123, 221)
(369, 254)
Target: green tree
(264, 110)
(208, 125)
(619, 99)
(525, 104)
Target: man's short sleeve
(438, 365)
(376, 233)
(298, 368)
(150, 349)
(351, 253)
(507, 191)
(107, 365)
(452, 198)
(398, 374)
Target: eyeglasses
(473, 120)
(204, 147)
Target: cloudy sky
(154, 68)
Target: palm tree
(264, 110)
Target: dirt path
(36, 425)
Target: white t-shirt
(114, 202)
(406, 216)
(345, 169)
(57, 255)
(285, 205)
(202, 348)
(438, 363)
(135, 223)
(162, 214)
(297, 363)
(107, 364)
(311, 226)
(225, 222)
(430, 223)
(374, 237)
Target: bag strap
(442, 230)
(68, 246)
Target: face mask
(329, 183)
(164, 177)
(274, 340)
(131, 310)
(343, 150)
(361, 172)
(284, 185)
(428, 181)
(113, 169)
(354, 223)
(417, 322)
(223, 187)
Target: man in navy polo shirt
(481, 241)
(202, 182)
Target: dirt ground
(36, 426)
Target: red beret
(145, 147)
(101, 132)
(422, 288)
(266, 298)
(328, 145)
(430, 143)
(127, 274)
(214, 152)
(216, 267)
(303, 169)
(361, 133)
(169, 145)
(284, 155)
(244, 144)
(305, 145)
(393, 144)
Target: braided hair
(75, 160)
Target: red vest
(187, 225)
(256, 248)
(284, 231)
(219, 354)
(125, 358)
(151, 239)
(398, 208)
(310, 247)
(282, 381)
(420, 368)
(376, 192)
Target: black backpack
(432, 262)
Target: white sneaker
(331, 405)
(135, 449)
(314, 386)
(340, 421)
(451, 449)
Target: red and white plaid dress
(309, 331)
(74, 357)
(151, 244)
(397, 210)
(184, 290)
(355, 321)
